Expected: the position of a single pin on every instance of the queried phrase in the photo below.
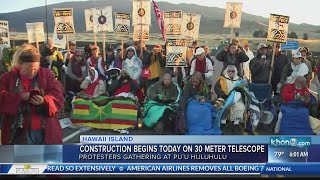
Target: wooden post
(122, 48)
(141, 38)
(36, 37)
(67, 39)
(231, 35)
(104, 46)
(272, 61)
(95, 38)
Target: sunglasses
(78, 55)
(232, 71)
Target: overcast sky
(305, 11)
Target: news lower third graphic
(125, 155)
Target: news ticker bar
(263, 169)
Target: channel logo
(290, 141)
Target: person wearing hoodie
(113, 60)
(93, 86)
(132, 64)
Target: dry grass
(204, 39)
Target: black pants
(232, 129)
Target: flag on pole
(159, 16)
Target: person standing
(280, 61)
(232, 55)
(32, 98)
(203, 65)
(260, 66)
(246, 69)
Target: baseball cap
(199, 51)
(302, 49)
(296, 54)
(261, 45)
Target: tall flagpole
(47, 21)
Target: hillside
(211, 21)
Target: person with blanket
(97, 62)
(93, 86)
(27, 117)
(126, 86)
(293, 118)
(232, 125)
(294, 69)
(132, 64)
(162, 104)
(196, 86)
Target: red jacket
(289, 93)
(53, 96)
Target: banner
(159, 16)
(35, 32)
(141, 13)
(278, 28)
(137, 33)
(232, 17)
(122, 23)
(190, 25)
(176, 53)
(63, 19)
(4, 34)
(59, 40)
(89, 19)
(172, 23)
(280, 169)
(102, 19)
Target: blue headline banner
(165, 153)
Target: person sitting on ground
(132, 64)
(93, 86)
(196, 86)
(126, 85)
(162, 104)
